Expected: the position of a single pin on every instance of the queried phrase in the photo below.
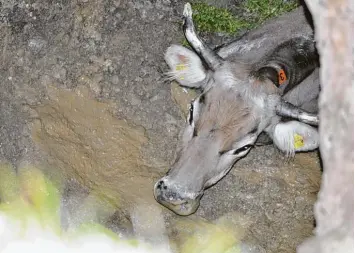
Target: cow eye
(237, 151)
(191, 113)
(242, 149)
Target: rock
(182, 97)
(36, 45)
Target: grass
(261, 10)
(212, 19)
(219, 20)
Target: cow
(245, 92)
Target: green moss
(258, 11)
(212, 19)
(185, 43)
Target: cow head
(238, 102)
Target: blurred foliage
(32, 202)
(207, 237)
(29, 195)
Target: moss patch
(213, 19)
(258, 11)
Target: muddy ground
(83, 96)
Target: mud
(87, 143)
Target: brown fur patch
(226, 115)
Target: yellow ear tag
(298, 141)
(180, 67)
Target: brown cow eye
(242, 149)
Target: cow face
(238, 102)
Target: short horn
(286, 109)
(212, 59)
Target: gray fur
(252, 46)
(240, 100)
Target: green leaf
(9, 188)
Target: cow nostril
(161, 185)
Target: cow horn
(286, 109)
(212, 59)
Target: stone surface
(334, 210)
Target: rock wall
(334, 210)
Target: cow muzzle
(175, 198)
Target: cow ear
(185, 66)
(289, 63)
(294, 136)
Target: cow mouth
(181, 207)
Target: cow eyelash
(242, 149)
(237, 151)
